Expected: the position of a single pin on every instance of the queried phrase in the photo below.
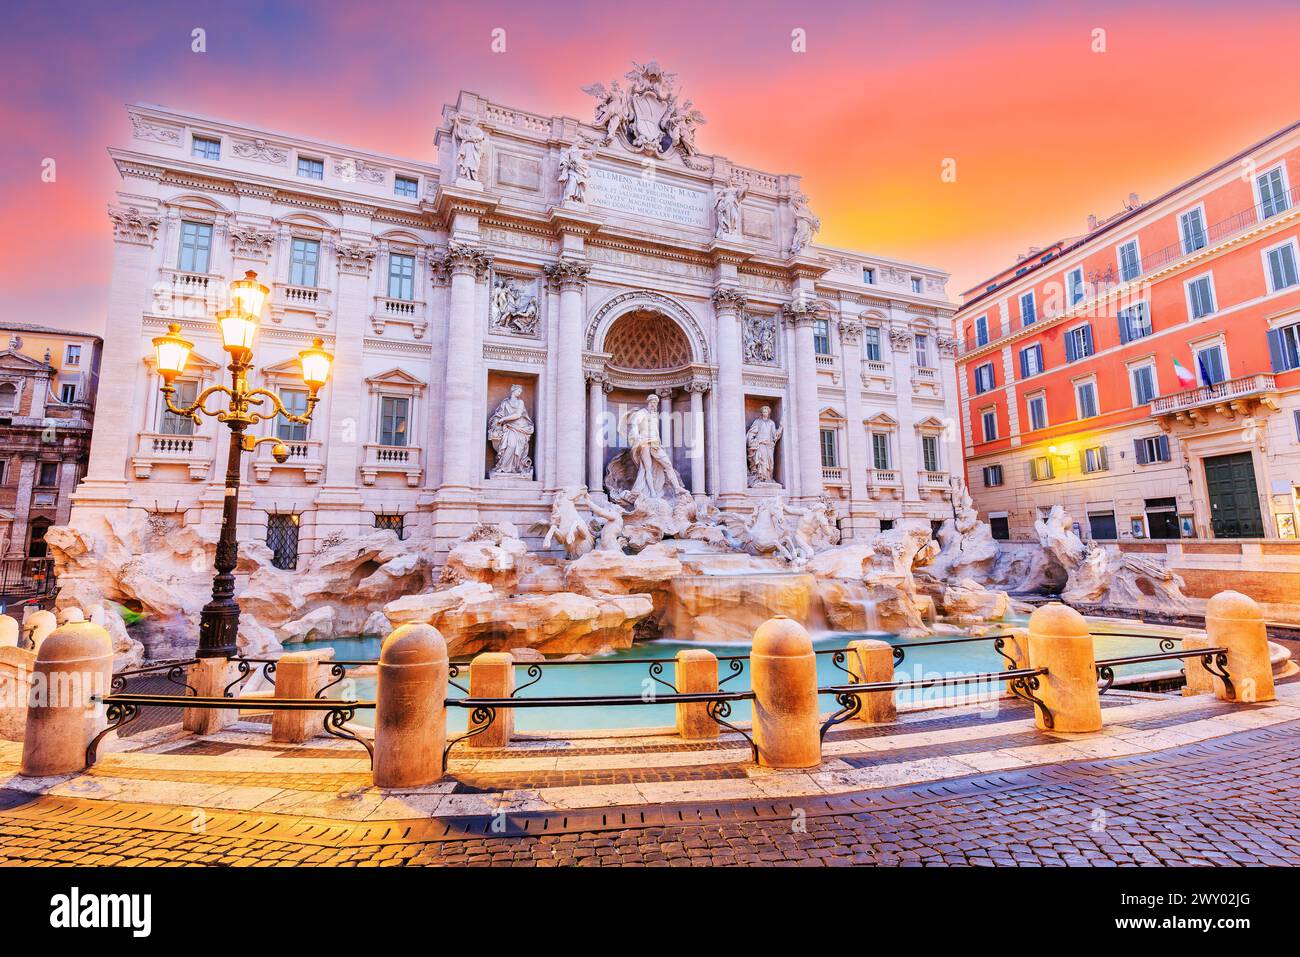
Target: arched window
(8, 397)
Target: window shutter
(1140, 451)
(1087, 339)
(1070, 352)
(1104, 463)
(1276, 354)
(1024, 364)
(1163, 442)
(1124, 334)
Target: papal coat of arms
(646, 116)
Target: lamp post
(219, 623)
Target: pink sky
(1043, 130)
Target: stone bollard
(784, 679)
(695, 671)
(1199, 681)
(61, 719)
(870, 661)
(39, 625)
(411, 709)
(1060, 642)
(492, 675)
(297, 675)
(9, 631)
(209, 677)
(1236, 622)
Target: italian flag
(1185, 377)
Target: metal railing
(26, 580)
(1218, 392)
(1213, 660)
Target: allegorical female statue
(510, 429)
(761, 441)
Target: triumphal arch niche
(646, 344)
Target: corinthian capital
(802, 310)
(464, 258)
(568, 273)
(850, 331)
(130, 225)
(728, 299)
(355, 259)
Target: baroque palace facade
(496, 313)
(1146, 375)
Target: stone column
(728, 304)
(597, 387)
(858, 452)
(461, 435)
(696, 392)
(410, 708)
(801, 315)
(666, 434)
(18, 530)
(74, 663)
(1236, 622)
(787, 730)
(134, 232)
(570, 275)
(909, 440)
(1060, 642)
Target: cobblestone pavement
(1231, 800)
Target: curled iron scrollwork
(736, 665)
(850, 706)
(336, 720)
(1105, 674)
(534, 673)
(480, 719)
(119, 715)
(719, 711)
(1216, 663)
(1024, 687)
(657, 669)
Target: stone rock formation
(1098, 577)
(728, 608)
(494, 554)
(967, 546)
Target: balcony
(875, 377)
(307, 299)
(155, 448)
(925, 381)
(884, 483)
(189, 295)
(304, 456)
(1230, 399)
(409, 312)
(1150, 263)
(392, 459)
(834, 475)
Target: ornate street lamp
(219, 624)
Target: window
(72, 355)
(1040, 469)
(916, 285)
(282, 539)
(982, 331)
(1272, 193)
(1037, 412)
(401, 277)
(309, 168)
(196, 247)
(1031, 361)
(48, 476)
(1281, 267)
(1134, 322)
(205, 147)
(295, 402)
(1078, 343)
(1094, 459)
(407, 187)
(1191, 227)
(822, 337)
(1210, 367)
(304, 257)
(1074, 288)
(999, 527)
(1102, 525)
(922, 344)
(992, 476)
(830, 454)
(1284, 347)
(1143, 381)
(67, 392)
(930, 452)
(1085, 398)
(394, 523)
(1130, 260)
(984, 378)
(880, 450)
(171, 424)
(868, 275)
(1200, 296)
(394, 411)
(873, 343)
(1028, 314)
(1153, 449)
(3, 468)
(886, 524)
(989, 423)
(1296, 414)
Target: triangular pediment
(882, 420)
(930, 423)
(17, 361)
(395, 378)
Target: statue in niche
(761, 441)
(644, 469)
(510, 430)
(469, 137)
(575, 171)
(726, 204)
(805, 225)
(760, 340)
(514, 308)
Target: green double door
(1234, 499)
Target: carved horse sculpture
(767, 532)
(568, 526)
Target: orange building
(1146, 375)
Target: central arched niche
(647, 340)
